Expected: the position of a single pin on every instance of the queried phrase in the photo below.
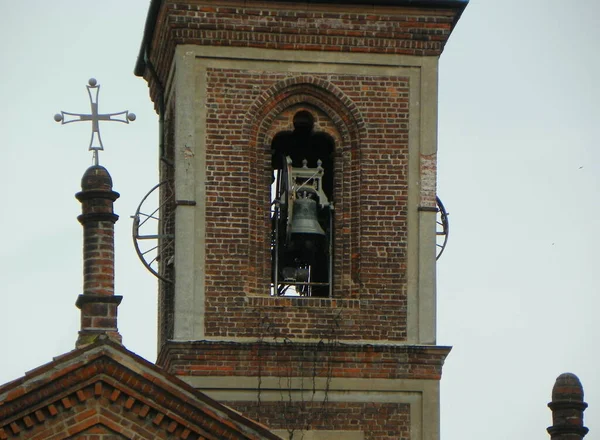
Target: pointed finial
(567, 408)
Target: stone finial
(98, 302)
(567, 408)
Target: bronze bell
(304, 219)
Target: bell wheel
(442, 228)
(153, 239)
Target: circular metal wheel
(442, 228)
(152, 243)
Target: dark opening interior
(303, 251)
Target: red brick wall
(412, 32)
(334, 28)
(96, 398)
(368, 119)
(97, 412)
(292, 359)
(99, 433)
(323, 362)
(98, 257)
(382, 421)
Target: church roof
(104, 388)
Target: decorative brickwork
(336, 115)
(325, 359)
(368, 119)
(301, 27)
(98, 219)
(104, 391)
(98, 302)
(567, 408)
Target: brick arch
(323, 121)
(346, 127)
(316, 91)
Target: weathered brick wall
(428, 166)
(325, 360)
(367, 115)
(283, 25)
(167, 226)
(96, 412)
(368, 119)
(97, 303)
(382, 421)
(92, 395)
(99, 433)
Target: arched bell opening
(301, 210)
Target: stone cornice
(155, 5)
(364, 361)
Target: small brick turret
(98, 303)
(567, 408)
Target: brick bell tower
(297, 260)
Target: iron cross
(93, 89)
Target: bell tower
(297, 233)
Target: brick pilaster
(98, 303)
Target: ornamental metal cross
(93, 89)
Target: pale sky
(519, 171)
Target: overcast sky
(519, 173)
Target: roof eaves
(64, 365)
(155, 5)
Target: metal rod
(330, 253)
(276, 250)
